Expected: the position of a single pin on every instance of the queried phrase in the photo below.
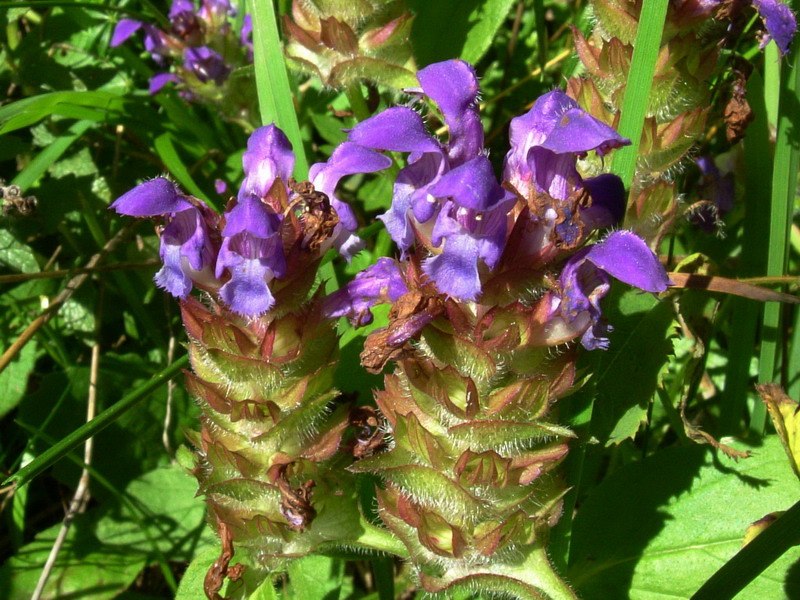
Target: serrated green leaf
(84, 569)
(16, 255)
(687, 517)
(191, 584)
(316, 578)
(172, 518)
(627, 375)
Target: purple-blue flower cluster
(450, 210)
(238, 255)
(202, 40)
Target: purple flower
(252, 263)
(206, 64)
(268, 156)
(184, 20)
(186, 247)
(347, 159)
(447, 196)
(252, 249)
(584, 282)
(159, 80)
(608, 202)
(779, 21)
(547, 141)
(252, 253)
(124, 29)
(471, 225)
(246, 36)
(382, 282)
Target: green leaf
(16, 255)
(660, 528)
(14, 378)
(640, 80)
(626, 376)
(753, 559)
(191, 585)
(471, 27)
(26, 112)
(108, 416)
(316, 578)
(42, 161)
(85, 569)
(173, 514)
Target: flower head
(187, 250)
(447, 197)
(584, 282)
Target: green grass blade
(272, 81)
(745, 314)
(640, 80)
(42, 161)
(784, 185)
(101, 421)
(751, 560)
(165, 148)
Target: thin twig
(65, 294)
(81, 496)
(170, 389)
(17, 277)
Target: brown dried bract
(410, 314)
(569, 213)
(215, 577)
(738, 114)
(296, 502)
(319, 218)
(369, 435)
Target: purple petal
(348, 159)
(625, 256)
(472, 185)
(347, 244)
(410, 194)
(780, 22)
(154, 41)
(608, 201)
(396, 129)
(455, 270)
(186, 251)
(180, 6)
(124, 29)
(453, 85)
(252, 262)
(553, 173)
(251, 215)
(159, 80)
(206, 64)
(220, 186)
(579, 132)
(215, 10)
(382, 282)
(158, 196)
(246, 36)
(269, 155)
